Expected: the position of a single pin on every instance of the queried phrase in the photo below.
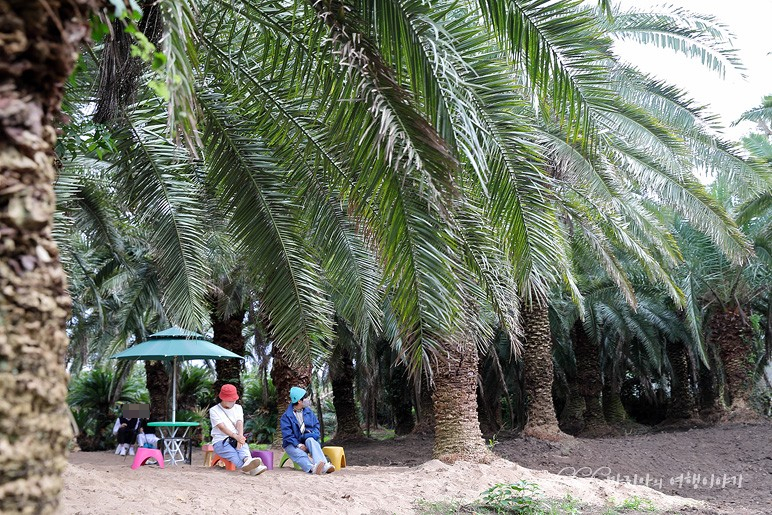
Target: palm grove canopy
(173, 344)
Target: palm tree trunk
(572, 416)
(400, 399)
(710, 405)
(457, 429)
(284, 377)
(228, 335)
(490, 390)
(681, 404)
(589, 381)
(613, 409)
(425, 412)
(537, 360)
(38, 53)
(342, 378)
(157, 381)
(733, 338)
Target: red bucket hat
(228, 393)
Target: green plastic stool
(285, 457)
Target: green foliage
(522, 497)
(92, 407)
(260, 418)
(203, 433)
(634, 503)
(194, 387)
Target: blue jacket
(290, 429)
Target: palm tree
(34, 304)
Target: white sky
(729, 97)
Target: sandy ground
(104, 483)
(389, 477)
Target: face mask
(307, 402)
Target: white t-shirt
(227, 417)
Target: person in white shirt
(125, 431)
(228, 439)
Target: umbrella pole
(174, 389)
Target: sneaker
(252, 464)
(131, 451)
(329, 468)
(318, 467)
(123, 451)
(259, 470)
(118, 449)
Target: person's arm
(221, 426)
(287, 434)
(312, 425)
(117, 425)
(240, 433)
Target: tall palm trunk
(490, 390)
(228, 334)
(681, 399)
(572, 416)
(709, 381)
(400, 399)
(425, 411)
(158, 386)
(38, 53)
(342, 378)
(589, 381)
(613, 409)
(285, 376)
(733, 338)
(538, 371)
(457, 429)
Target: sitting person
(228, 439)
(300, 435)
(146, 436)
(125, 429)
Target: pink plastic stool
(144, 454)
(266, 456)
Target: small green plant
(633, 503)
(492, 442)
(568, 506)
(520, 498)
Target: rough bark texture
(425, 412)
(38, 49)
(342, 378)
(682, 403)
(228, 334)
(537, 361)
(613, 409)
(284, 377)
(572, 416)
(119, 72)
(589, 381)
(158, 386)
(733, 339)
(457, 429)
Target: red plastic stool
(266, 456)
(144, 454)
(228, 464)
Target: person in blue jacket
(300, 435)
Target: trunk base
(549, 433)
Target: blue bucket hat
(296, 393)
